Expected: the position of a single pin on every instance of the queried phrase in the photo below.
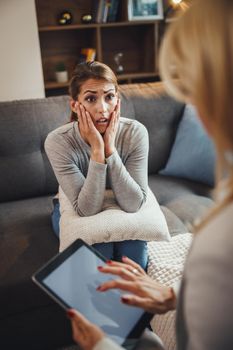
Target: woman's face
(99, 98)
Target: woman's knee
(56, 218)
(134, 249)
(106, 249)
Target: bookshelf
(137, 40)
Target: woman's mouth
(102, 121)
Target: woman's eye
(110, 97)
(90, 99)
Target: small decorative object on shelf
(117, 58)
(87, 54)
(87, 18)
(61, 73)
(141, 10)
(64, 18)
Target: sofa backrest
(149, 104)
(24, 167)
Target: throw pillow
(166, 265)
(112, 224)
(193, 154)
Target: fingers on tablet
(129, 286)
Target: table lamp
(174, 6)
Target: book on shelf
(100, 11)
(87, 54)
(113, 11)
(104, 10)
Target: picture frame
(141, 10)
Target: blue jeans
(133, 249)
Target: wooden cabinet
(138, 41)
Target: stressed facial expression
(99, 98)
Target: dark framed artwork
(145, 10)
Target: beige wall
(21, 75)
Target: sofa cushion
(168, 188)
(26, 242)
(160, 114)
(24, 125)
(192, 156)
(187, 200)
(175, 225)
(191, 209)
(46, 328)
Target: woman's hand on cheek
(110, 133)
(90, 134)
(86, 126)
(85, 333)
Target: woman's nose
(101, 105)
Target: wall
(21, 75)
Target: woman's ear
(73, 105)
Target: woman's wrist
(109, 151)
(98, 156)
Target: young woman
(99, 150)
(197, 66)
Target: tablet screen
(75, 281)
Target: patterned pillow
(166, 264)
(112, 224)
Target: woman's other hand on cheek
(85, 333)
(111, 131)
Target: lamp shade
(176, 2)
(174, 7)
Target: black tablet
(71, 279)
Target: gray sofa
(28, 318)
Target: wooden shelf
(128, 76)
(94, 25)
(137, 75)
(137, 40)
(67, 27)
(54, 85)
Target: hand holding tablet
(72, 277)
(85, 333)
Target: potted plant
(61, 73)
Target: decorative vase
(61, 77)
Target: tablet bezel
(57, 260)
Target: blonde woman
(197, 66)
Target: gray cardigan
(84, 181)
(205, 308)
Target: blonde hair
(196, 65)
